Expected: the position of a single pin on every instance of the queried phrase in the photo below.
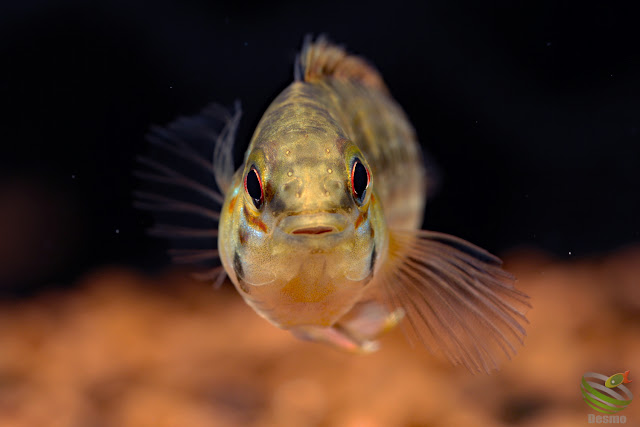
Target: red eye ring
(253, 187)
(360, 180)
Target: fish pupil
(359, 180)
(253, 186)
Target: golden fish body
(304, 258)
(318, 227)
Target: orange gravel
(123, 349)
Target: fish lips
(314, 225)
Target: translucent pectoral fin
(457, 298)
(183, 179)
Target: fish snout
(313, 189)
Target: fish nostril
(293, 186)
(331, 185)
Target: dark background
(531, 113)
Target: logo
(607, 395)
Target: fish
(617, 379)
(319, 228)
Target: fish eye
(360, 180)
(253, 187)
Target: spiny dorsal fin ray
(456, 298)
(320, 59)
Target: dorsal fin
(320, 59)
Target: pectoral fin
(184, 187)
(457, 298)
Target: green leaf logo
(603, 398)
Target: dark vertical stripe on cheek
(237, 267)
(242, 236)
(372, 264)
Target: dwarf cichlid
(319, 227)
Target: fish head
(302, 230)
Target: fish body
(318, 228)
(304, 151)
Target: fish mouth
(313, 224)
(314, 230)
